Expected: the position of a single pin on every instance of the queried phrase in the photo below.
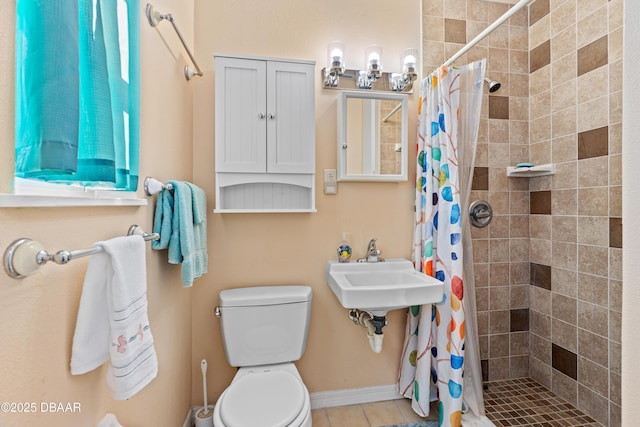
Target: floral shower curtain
(440, 356)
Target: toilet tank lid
(264, 295)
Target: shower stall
(547, 269)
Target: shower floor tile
(524, 402)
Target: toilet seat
(271, 398)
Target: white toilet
(264, 330)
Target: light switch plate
(330, 182)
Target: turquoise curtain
(434, 363)
(47, 87)
(78, 92)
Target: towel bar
(154, 17)
(24, 256)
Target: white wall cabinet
(265, 135)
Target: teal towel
(195, 259)
(181, 221)
(162, 220)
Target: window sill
(34, 194)
(27, 201)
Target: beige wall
(267, 249)
(7, 36)
(37, 314)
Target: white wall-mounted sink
(381, 286)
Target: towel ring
(153, 186)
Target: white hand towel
(112, 321)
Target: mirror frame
(342, 137)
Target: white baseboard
(379, 393)
(188, 419)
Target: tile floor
(524, 402)
(519, 402)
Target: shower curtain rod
(516, 7)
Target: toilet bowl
(264, 330)
(272, 395)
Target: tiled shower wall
(548, 268)
(575, 222)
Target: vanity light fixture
(372, 76)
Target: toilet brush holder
(204, 417)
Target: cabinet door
(240, 115)
(290, 117)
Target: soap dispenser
(344, 250)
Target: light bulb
(336, 55)
(410, 61)
(374, 58)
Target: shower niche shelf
(531, 172)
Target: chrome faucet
(373, 253)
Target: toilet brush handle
(203, 365)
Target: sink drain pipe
(374, 325)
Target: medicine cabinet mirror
(372, 136)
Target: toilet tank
(264, 325)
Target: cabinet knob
(272, 116)
(261, 115)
